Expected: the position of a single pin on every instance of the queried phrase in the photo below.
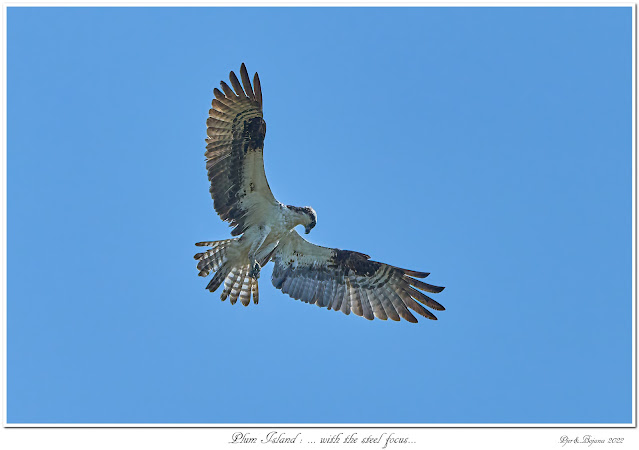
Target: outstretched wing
(236, 130)
(349, 281)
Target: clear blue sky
(488, 146)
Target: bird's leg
(255, 271)
(255, 247)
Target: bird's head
(311, 219)
(306, 216)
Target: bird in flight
(336, 279)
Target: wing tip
(246, 81)
(424, 286)
(235, 82)
(410, 318)
(257, 86)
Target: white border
(310, 3)
(634, 215)
(463, 436)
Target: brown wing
(349, 281)
(234, 153)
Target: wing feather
(246, 81)
(228, 92)
(236, 85)
(292, 288)
(353, 293)
(345, 304)
(425, 286)
(329, 293)
(389, 309)
(349, 281)
(412, 304)
(367, 309)
(218, 94)
(258, 89)
(218, 115)
(338, 296)
(213, 122)
(425, 299)
(234, 154)
(224, 106)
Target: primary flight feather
(328, 277)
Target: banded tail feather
(235, 277)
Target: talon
(255, 271)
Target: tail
(235, 277)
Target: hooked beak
(309, 227)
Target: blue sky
(488, 146)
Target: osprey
(328, 277)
